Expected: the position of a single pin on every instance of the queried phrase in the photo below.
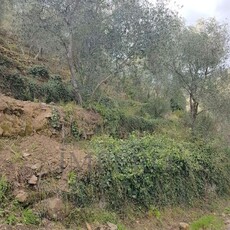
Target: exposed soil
(29, 146)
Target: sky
(193, 10)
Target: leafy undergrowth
(152, 170)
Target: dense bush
(56, 90)
(156, 107)
(129, 124)
(39, 71)
(111, 118)
(22, 88)
(117, 123)
(15, 85)
(152, 170)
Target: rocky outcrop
(22, 117)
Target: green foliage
(75, 130)
(117, 123)
(72, 178)
(11, 219)
(156, 107)
(204, 126)
(56, 90)
(29, 217)
(4, 189)
(111, 118)
(178, 99)
(208, 222)
(175, 105)
(39, 71)
(16, 85)
(227, 210)
(55, 119)
(152, 170)
(4, 61)
(22, 88)
(129, 124)
(153, 211)
(108, 102)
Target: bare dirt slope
(30, 145)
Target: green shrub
(156, 108)
(111, 118)
(39, 71)
(55, 119)
(56, 90)
(152, 170)
(108, 102)
(75, 130)
(33, 90)
(22, 88)
(117, 124)
(16, 85)
(129, 124)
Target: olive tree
(55, 22)
(196, 59)
(99, 38)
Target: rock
(112, 226)
(43, 173)
(36, 166)
(183, 226)
(22, 196)
(55, 208)
(33, 180)
(26, 155)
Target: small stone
(64, 164)
(26, 155)
(22, 196)
(55, 208)
(33, 180)
(112, 226)
(183, 226)
(36, 166)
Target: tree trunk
(70, 59)
(193, 111)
